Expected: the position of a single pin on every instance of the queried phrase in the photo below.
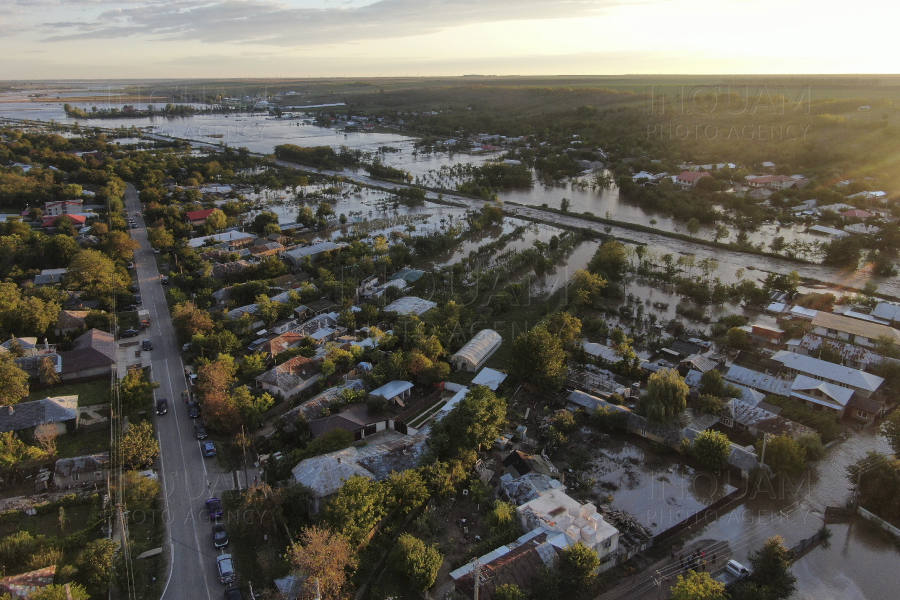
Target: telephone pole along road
(186, 481)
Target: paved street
(191, 571)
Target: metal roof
(410, 305)
(489, 378)
(828, 371)
(392, 389)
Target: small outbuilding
(475, 353)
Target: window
(644, 432)
(607, 543)
(862, 414)
(74, 476)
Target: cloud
(281, 24)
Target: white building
(554, 510)
(475, 353)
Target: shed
(489, 378)
(475, 353)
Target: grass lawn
(89, 392)
(76, 518)
(79, 443)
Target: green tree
(14, 451)
(140, 492)
(251, 406)
(610, 260)
(698, 586)
(508, 591)
(666, 396)
(577, 567)
(416, 561)
(54, 591)
(878, 477)
(771, 572)
(784, 454)
(136, 391)
(324, 556)
(538, 358)
(711, 449)
(138, 447)
(13, 380)
(95, 273)
(713, 384)
(565, 326)
(217, 220)
(356, 508)
(693, 226)
(474, 423)
(408, 489)
(189, 321)
(95, 565)
(734, 339)
(891, 430)
(160, 237)
(252, 366)
(587, 288)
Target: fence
(709, 514)
(804, 546)
(879, 521)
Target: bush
(815, 450)
(610, 418)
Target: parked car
(130, 265)
(162, 406)
(147, 345)
(200, 430)
(226, 568)
(138, 299)
(256, 344)
(233, 593)
(133, 289)
(156, 251)
(193, 409)
(214, 508)
(165, 281)
(220, 536)
(208, 449)
(129, 308)
(133, 225)
(129, 333)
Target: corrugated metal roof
(829, 371)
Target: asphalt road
(187, 478)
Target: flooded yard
(653, 485)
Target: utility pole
(762, 458)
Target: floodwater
(657, 489)
(856, 563)
(261, 133)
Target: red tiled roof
(76, 220)
(197, 215)
(691, 177)
(857, 213)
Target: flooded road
(858, 560)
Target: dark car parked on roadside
(193, 409)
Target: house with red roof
(857, 213)
(77, 220)
(198, 217)
(690, 178)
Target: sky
(110, 39)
